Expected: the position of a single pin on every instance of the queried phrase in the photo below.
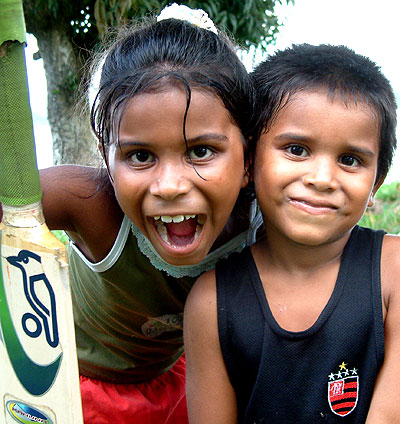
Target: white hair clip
(195, 16)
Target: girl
(171, 118)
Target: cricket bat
(39, 380)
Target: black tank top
(323, 374)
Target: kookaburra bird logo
(39, 319)
(43, 318)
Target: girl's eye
(141, 157)
(199, 152)
(296, 150)
(349, 160)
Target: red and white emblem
(343, 390)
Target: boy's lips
(313, 206)
(178, 231)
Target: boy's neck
(279, 252)
(298, 280)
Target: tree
(67, 31)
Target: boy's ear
(375, 189)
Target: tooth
(178, 218)
(166, 218)
(198, 231)
(190, 216)
(162, 230)
(201, 219)
(156, 218)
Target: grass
(385, 214)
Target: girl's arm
(72, 201)
(385, 404)
(210, 396)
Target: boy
(303, 326)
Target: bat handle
(26, 216)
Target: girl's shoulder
(80, 200)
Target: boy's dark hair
(338, 69)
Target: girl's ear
(101, 150)
(103, 155)
(246, 173)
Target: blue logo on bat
(36, 378)
(25, 414)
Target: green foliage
(61, 235)
(251, 22)
(385, 214)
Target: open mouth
(179, 230)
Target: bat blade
(39, 371)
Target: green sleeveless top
(128, 314)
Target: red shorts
(161, 400)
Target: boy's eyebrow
(351, 148)
(356, 149)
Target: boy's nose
(321, 175)
(171, 183)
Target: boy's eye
(349, 160)
(141, 156)
(297, 150)
(199, 152)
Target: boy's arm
(210, 396)
(385, 404)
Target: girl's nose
(321, 175)
(170, 183)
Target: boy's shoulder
(391, 253)
(203, 292)
(390, 268)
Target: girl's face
(156, 179)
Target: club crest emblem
(343, 390)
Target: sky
(369, 27)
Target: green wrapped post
(19, 177)
(38, 361)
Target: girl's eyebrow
(209, 136)
(133, 143)
(203, 137)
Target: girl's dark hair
(337, 69)
(169, 53)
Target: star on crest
(342, 366)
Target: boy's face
(315, 168)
